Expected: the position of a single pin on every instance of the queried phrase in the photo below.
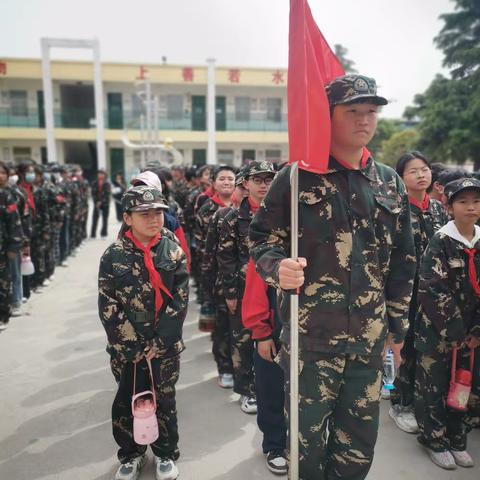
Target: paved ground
(56, 392)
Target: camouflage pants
(442, 428)
(242, 349)
(5, 291)
(221, 338)
(338, 414)
(404, 391)
(473, 415)
(38, 253)
(165, 374)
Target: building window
(174, 107)
(137, 106)
(274, 156)
(18, 103)
(242, 109)
(22, 154)
(274, 109)
(225, 157)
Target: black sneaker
(277, 463)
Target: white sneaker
(225, 380)
(3, 325)
(24, 300)
(131, 470)
(46, 283)
(165, 469)
(16, 312)
(462, 458)
(248, 404)
(443, 459)
(404, 418)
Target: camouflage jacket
(424, 226)
(126, 302)
(56, 205)
(181, 191)
(355, 232)
(189, 210)
(202, 219)
(449, 307)
(11, 234)
(104, 196)
(41, 216)
(24, 211)
(211, 277)
(234, 250)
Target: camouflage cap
(351, 88)
(456, 186)
(140, 198)
(255, 168)
(240, 176)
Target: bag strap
(472, 359)
(454, 364)
(152, 386)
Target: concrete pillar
(48, 101)
(211, 112)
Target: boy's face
(465, 207)
(259, 185)
(146, 224)
(224, 182)
(354, 125)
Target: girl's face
(145, 224)
(465, 207)
(417, 175)
(3, 176)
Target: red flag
(311, 65)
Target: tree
(385, 129)
(460, 38)
(341, 52)
(398, 144)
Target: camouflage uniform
(40, 236)
(11, 240)
(102, 197)
(214, 295)
(355, 231)
(127, 311)
(424, 225)
(448, 312)
(233, 256)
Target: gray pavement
(56, 393)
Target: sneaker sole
(444, 467)
(277, 472)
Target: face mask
(47, 177)
(12, 180)
(30, 177)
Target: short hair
(202, 169)
(222, 168)
(408, 157)
(4, 166)
(452, 174)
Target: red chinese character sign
(3, 68)
(143, 70)
(187, 74)
(277, 77)
(234, 75)
(311, 66)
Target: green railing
(85, 119)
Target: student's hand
(149, 353)
(472, 342)
(396, 348)
(231, 304)
(266, 349)
(290, 273)
(12, 255)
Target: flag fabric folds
(311, 65)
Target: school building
(250, 112)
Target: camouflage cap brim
(376, 100)
(149, 206)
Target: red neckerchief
(253, 205)
(100, 186)
(154, 276)
(30, 199)
(472, 271)
(363, 161)
(216, 199)
(423, 206)
(209, 192)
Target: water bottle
(389, 372)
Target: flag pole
(294, 457)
